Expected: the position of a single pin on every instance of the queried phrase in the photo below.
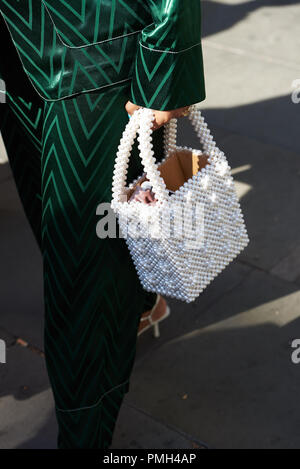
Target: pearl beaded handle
(201, 129)
(141, 122)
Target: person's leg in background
(93, 297)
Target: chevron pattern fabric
(93, 299)
(68, 48)
(58, 71)
(70, 68)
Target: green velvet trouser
(62, 156)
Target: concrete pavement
(221, 372)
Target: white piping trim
(91, 43)
(85, 91)
(94, 405)
(168, 51)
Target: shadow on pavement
(218, 16)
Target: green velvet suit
(69, 69)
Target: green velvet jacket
(70, 47)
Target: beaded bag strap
(201, 128)
(141, 122)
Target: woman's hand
(161, 117)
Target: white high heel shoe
(155, 322)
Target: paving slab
(238, 101)
(3, 156)
(231, 383)
(28, 418)
(288, 268)
(251, 60)
(135, 429)
(266, 28)
(26, 402)
(185, 317)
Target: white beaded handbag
(196, 228)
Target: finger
(148, 198)
(159, 121)
(155, 126)
(131, 107)
(131, 112)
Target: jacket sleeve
(168, 70)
